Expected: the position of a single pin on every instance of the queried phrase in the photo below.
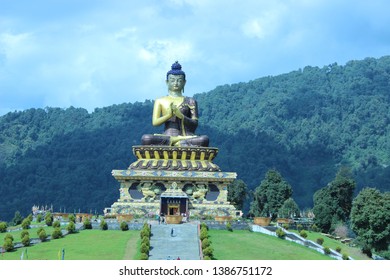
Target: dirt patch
(131, 248)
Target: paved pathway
(184, 242)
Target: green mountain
(306, 124)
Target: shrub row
(145, 241)
(206, 243)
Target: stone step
(174, 241)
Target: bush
(208, 251)
(9, 236)
(39, 230)
(56, 224)
(26, 223)
(320, 240)
(205, 243)
(72, 218)
(280, 233)
(87, 224)
(345, 257)
(103, 225)
(124, 226)
(144, 256)
(24, 233)
(39, 218)
(229, 226)
(49, 219)
(144, 248)
(8, 244)
(3, 226)
(30, 217)
(145, 231)
(42, 234)
(384, 254)
(203, 233)
(326, 250)
(146, 241)
(57, 233)
(26, 240)
(303, 233)
(285, 226)
(338, 249)
(207, 258)
(71, 227)
(314, 228)
(299, 227)
(366, 250)
(203, 225)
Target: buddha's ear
(184, 85)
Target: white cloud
(118, 51)
(266, 22)
(17, 46)
(254, 28)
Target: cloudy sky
(89, 54)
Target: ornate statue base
(174, 181)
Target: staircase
(183, 243)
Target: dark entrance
(174, 203)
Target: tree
(124, 226)
(270, 195)
(103, 225)
(71, 227)
(26, 240)
(344, 186)
(3, 227)
(26, 223)
(17, 220)
(39, 218)
(87, 224)
(370, 219)
(49, 219)
(42, 234)
(8, 244)
(289, 209)
(332, 204)
(56, 224)
(72, 218)
(237, 193)
(57, 233)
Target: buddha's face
(176, 82)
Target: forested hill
(306, 124)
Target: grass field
(246, 245)
(353, 252)
(85, 245)
(118, 245)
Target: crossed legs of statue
(179, 141)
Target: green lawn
(246, 245)
(353, 252)
(85, 245)
(32, 232)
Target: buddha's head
(176, 70)
(176, 78)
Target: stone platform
(164, 176)
(175, 158)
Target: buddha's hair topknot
(176, 70)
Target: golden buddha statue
(178, 113)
